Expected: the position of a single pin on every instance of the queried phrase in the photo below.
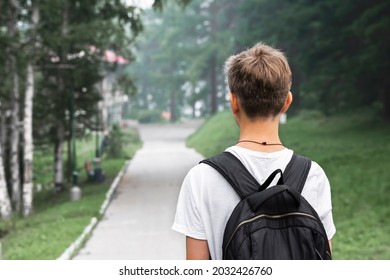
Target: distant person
(88, 169)
(98, 173)
(105, 142)
(259, 81)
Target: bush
(121, 143)
(115, 142)
(150, 116)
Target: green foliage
(115, 142)
(43, 161)
(337, 49)
(353, 150)
(119, 140)
(150, 116)
(66, 42)
(180, 62)
(74, 36)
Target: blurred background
(79, 78)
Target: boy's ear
(287, 103)
(234, 103)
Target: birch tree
(28, 122)
(28, 113)
(15, 120)
(5, 204)
(28, 143)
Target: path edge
(70, 252)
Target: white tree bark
(5, 203)
(14, 157)
(28, 143)
(28, 119)
(3, 130)
(104, 105)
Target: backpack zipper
(266, 216)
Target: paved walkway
(137, 224)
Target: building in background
(113, 96)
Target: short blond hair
(261, 79)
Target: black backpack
(274, 223)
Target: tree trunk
(3, 129)
(69, 159)
(28, 119)
(386, 107)
(5, 203)
(14, 157)
(58, 158)
(193, 110)
(28, 143)
(213, 83)
(105, 99)
(295, 88)
(14, 153)
(173, 107)
(60, 134)
(213, 60)
(385, 96)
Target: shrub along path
(137, 224)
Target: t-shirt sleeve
(187, 218)
(324, 201)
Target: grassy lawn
(56, 221)
(215, 135)
(354, 152)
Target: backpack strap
(296, 172)
(243, 182)
(232, 169)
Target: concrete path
(137, 224)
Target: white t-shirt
(206, 199)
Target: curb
(72, 249)
(113, 187)
(68, 253)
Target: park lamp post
(99, 105)
(75, 191)
(125, 100)
(97, 132)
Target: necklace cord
(260, 143)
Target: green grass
(56, 221)
(215, 135)
(354, 152)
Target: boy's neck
(260, 130)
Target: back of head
(261, 79)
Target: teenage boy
(259, 81)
